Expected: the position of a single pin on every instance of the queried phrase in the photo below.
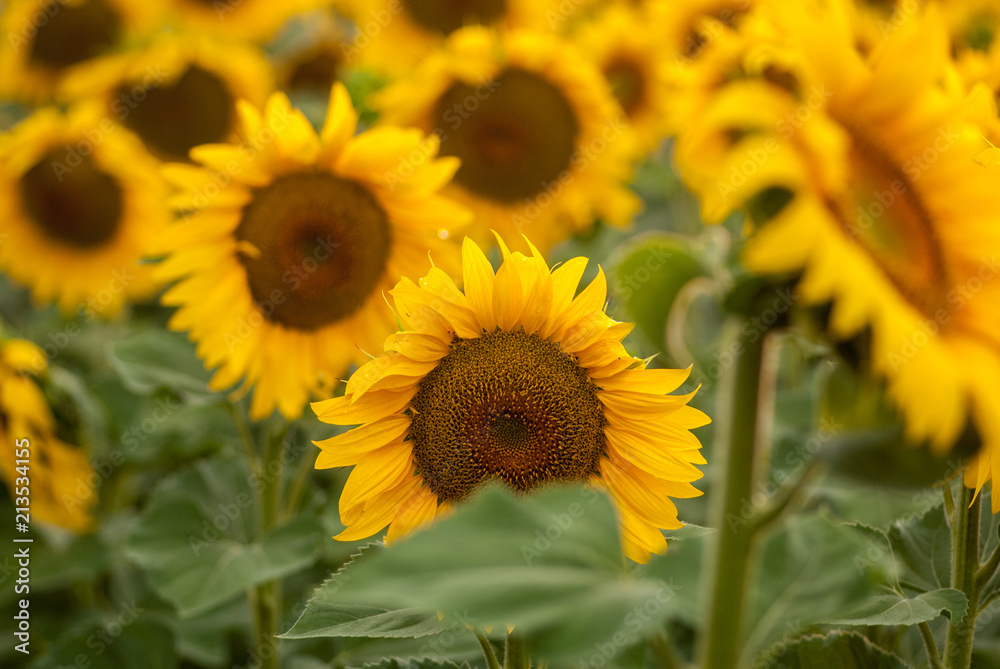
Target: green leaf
(989, 533)
(895, 610)
(837, 650)
(922, 548)
(81, 560)
(879, 507)
(415, 663)
(205, 639)
(681, 567)
(200, 550)
(325, 618)
(536, 562)
(124, 642)
(810, 573)
(156, 360)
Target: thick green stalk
(268, 599)
(734, 453)
(515, 654)
(964, 565)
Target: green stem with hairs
(931, 647)
(735, 446)
(484, 643)
(665, 652)
(515, 654)
(964, 567)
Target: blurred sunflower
(519, 381)
(314, 60)
(984, 118)
(294, 239)
(177, 91)
(624, 45)
(889, 217)
(44, 39)
(81, 202)
(391, 36)
(256, 20)
(551, 166)
(974, 26)
(689, 25)
(872, 22)
(61, 490)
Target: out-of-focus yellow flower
(295, 238)
(625, 45)
(974, 26)
(178, 90)
(81, 202)
(393, 35)
(54, 476)
(889, 217)
(45, 39)
(544, 148)
(256, 20)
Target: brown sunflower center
(323, 244)
(885, 214)
(172, 118)
(979, 32)
(80, 206)
(628, 83)
(73, 33)
(515, 134)
(447, 16)
(727, 13)
(507, 406)
(315, 71)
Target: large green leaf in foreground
(535, 562)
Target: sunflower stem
(933, 658)
(988, 568)
(964, 565)
(246, 438)
(949, 501)
(665, 651)
(784, 499)
(515, 655)
(736, 437)
(268, 596)
(305, 468)
(484, 643)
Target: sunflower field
(469, 334)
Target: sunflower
(624, 45)
(256, 20)
(974, 26)
(542, 143)
(176, 91)
(58, 476)
(519, 381)
(391, 36)
(889, 218)
(294, 240)
(688, 26)
(81, 203)
(984, 118)
(312, 59)
(44, 39)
